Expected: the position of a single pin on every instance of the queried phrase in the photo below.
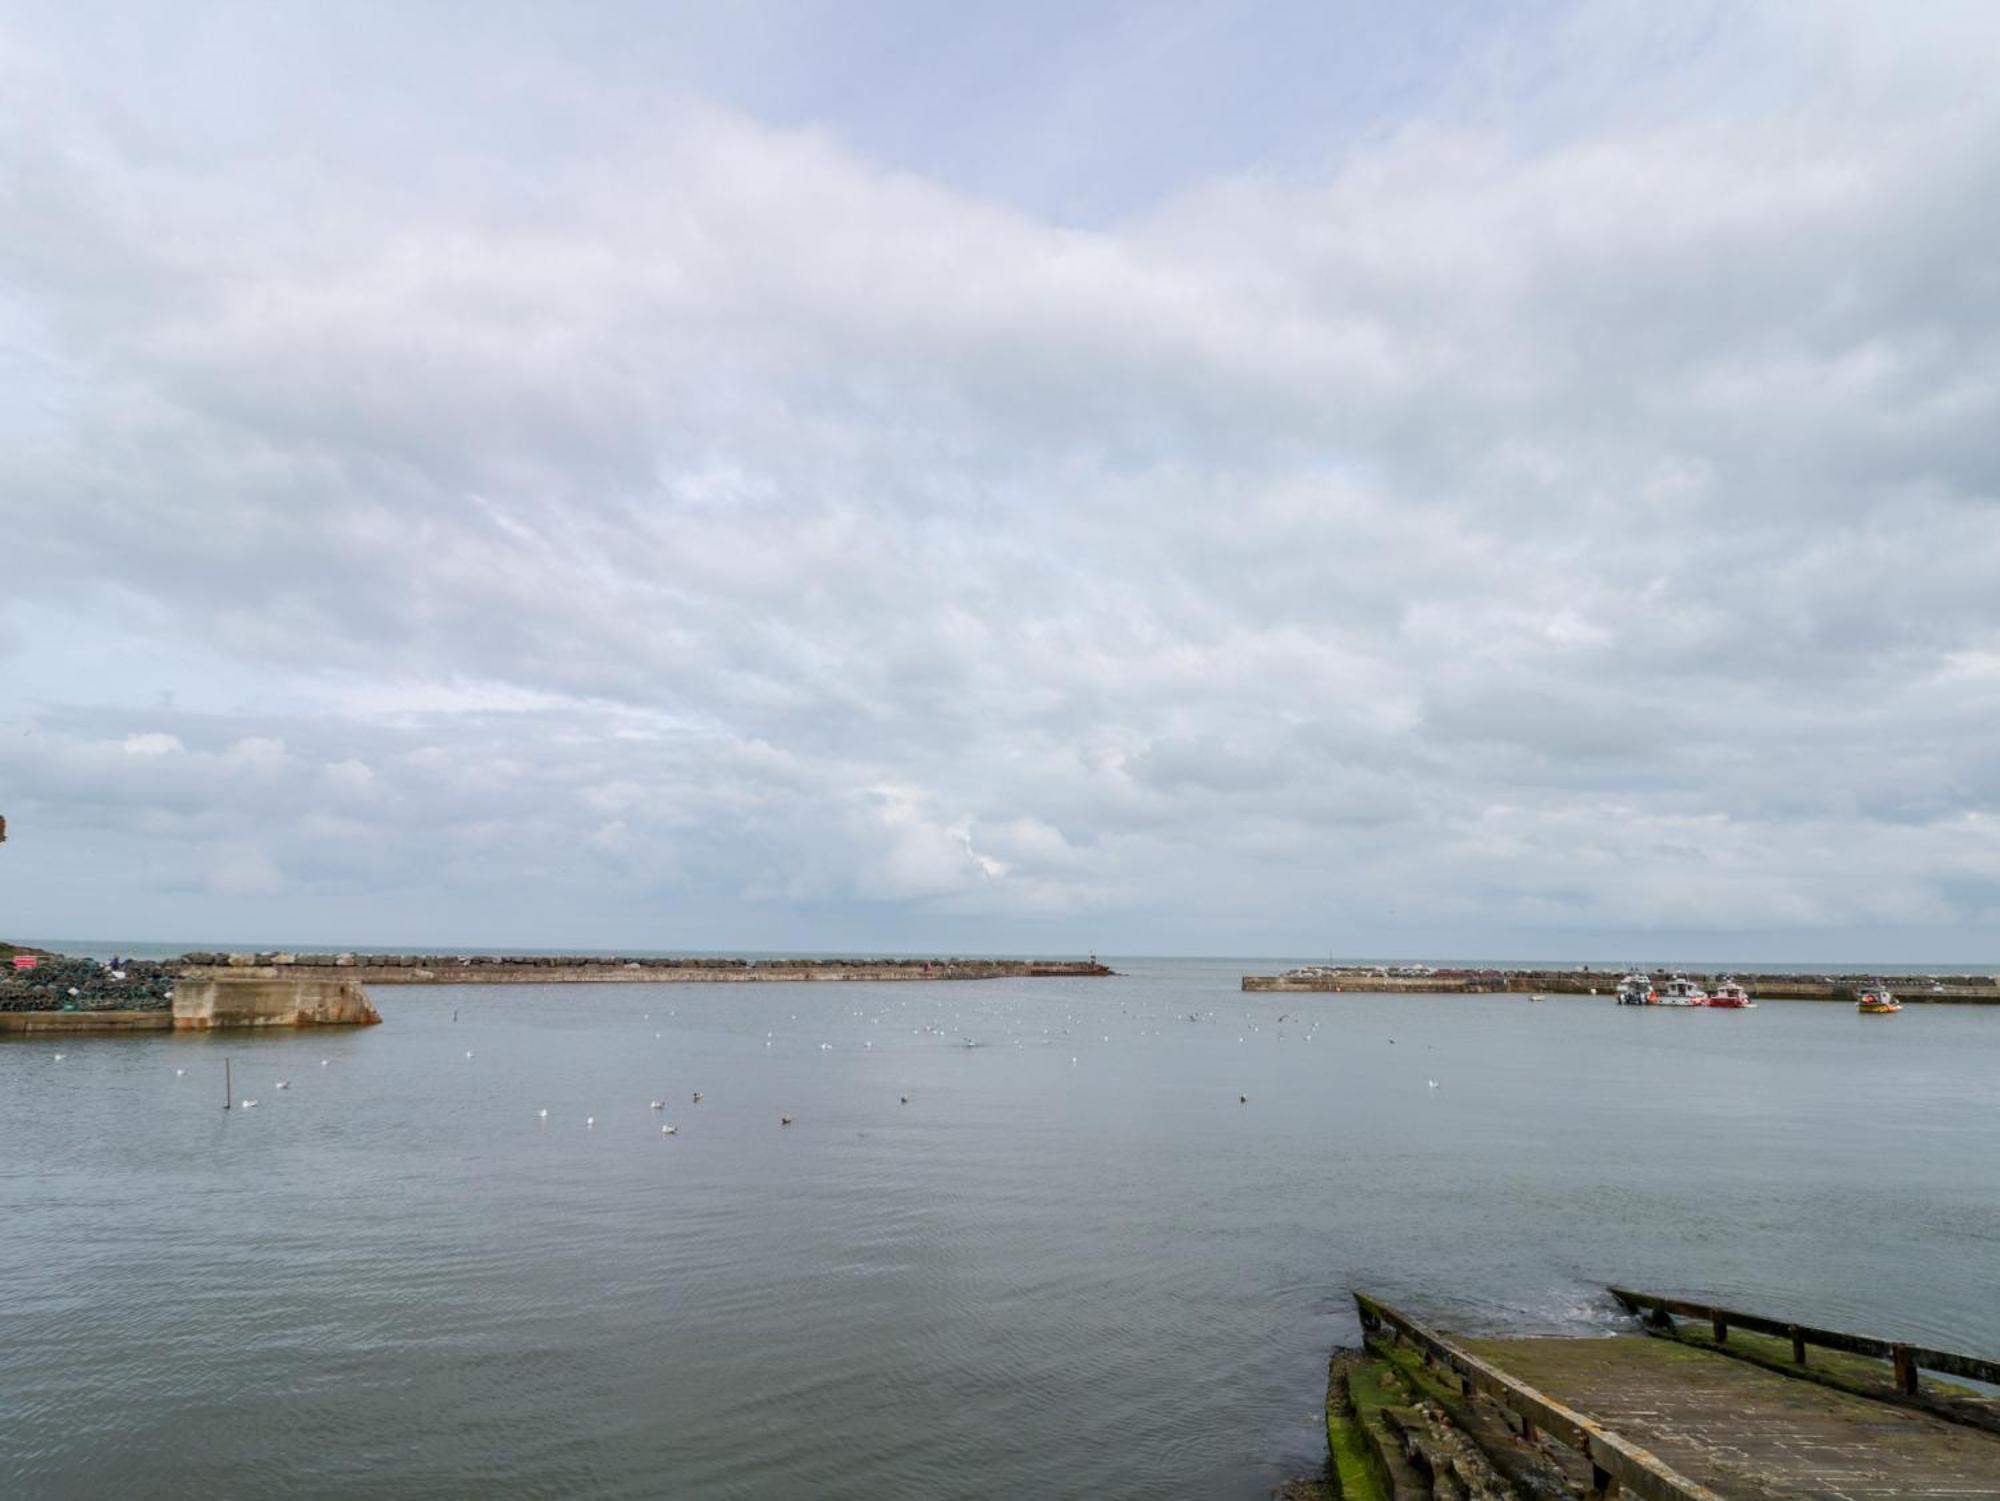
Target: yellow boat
(1876, 1001)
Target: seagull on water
(322, 1063)
(784, 1120)
(178, 1072)
(468, 1052)
(282, 1084)
(668, 1131)
(906, 1099)
(249, 1104)
(659, 1104)
(544, 1113)
(61, 1056)
(1434, 1084)
(697, 1097)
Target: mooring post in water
(228, 1092)
(1798, 1344)
(1721, 1326)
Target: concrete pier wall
(206, 1002)
(1946, 989)
(58, 1023)
(480, 969)
(267, 997)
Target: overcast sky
(1242, 478)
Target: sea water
(1103, 1249)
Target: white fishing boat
(1635, 989)
(1681, 991)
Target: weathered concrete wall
(605, 974)
(266, 997)
(38, 1023)
(438, 969)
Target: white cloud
(1483, 525)
(352, 776)
(258, 754)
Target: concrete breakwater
(200, 992)
(489, 969)
(1962, 989)
(202, 1002)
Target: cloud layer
(1565, 518)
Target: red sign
(25, 961)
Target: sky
(1265, 478)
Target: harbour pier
(54, 993)
(1421, 980)
(574, 969)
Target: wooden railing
(1905, 1359)
(1615, 1462)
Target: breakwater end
(1943, 989)
(554, 969)
(60, 994)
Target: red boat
(1731, 997)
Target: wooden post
(1906, 1370)
(1721, 1326)
(228, 1093)
(1530, 1434)
(1798, 1344)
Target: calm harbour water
(1072, 1264)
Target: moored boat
(1877, 1001)
(1730, 996)
(1681, 991)
(1635, 989)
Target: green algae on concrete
(1535, 1467)
(1372, 1388)
(1355, 1473)
(1347, 1447)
